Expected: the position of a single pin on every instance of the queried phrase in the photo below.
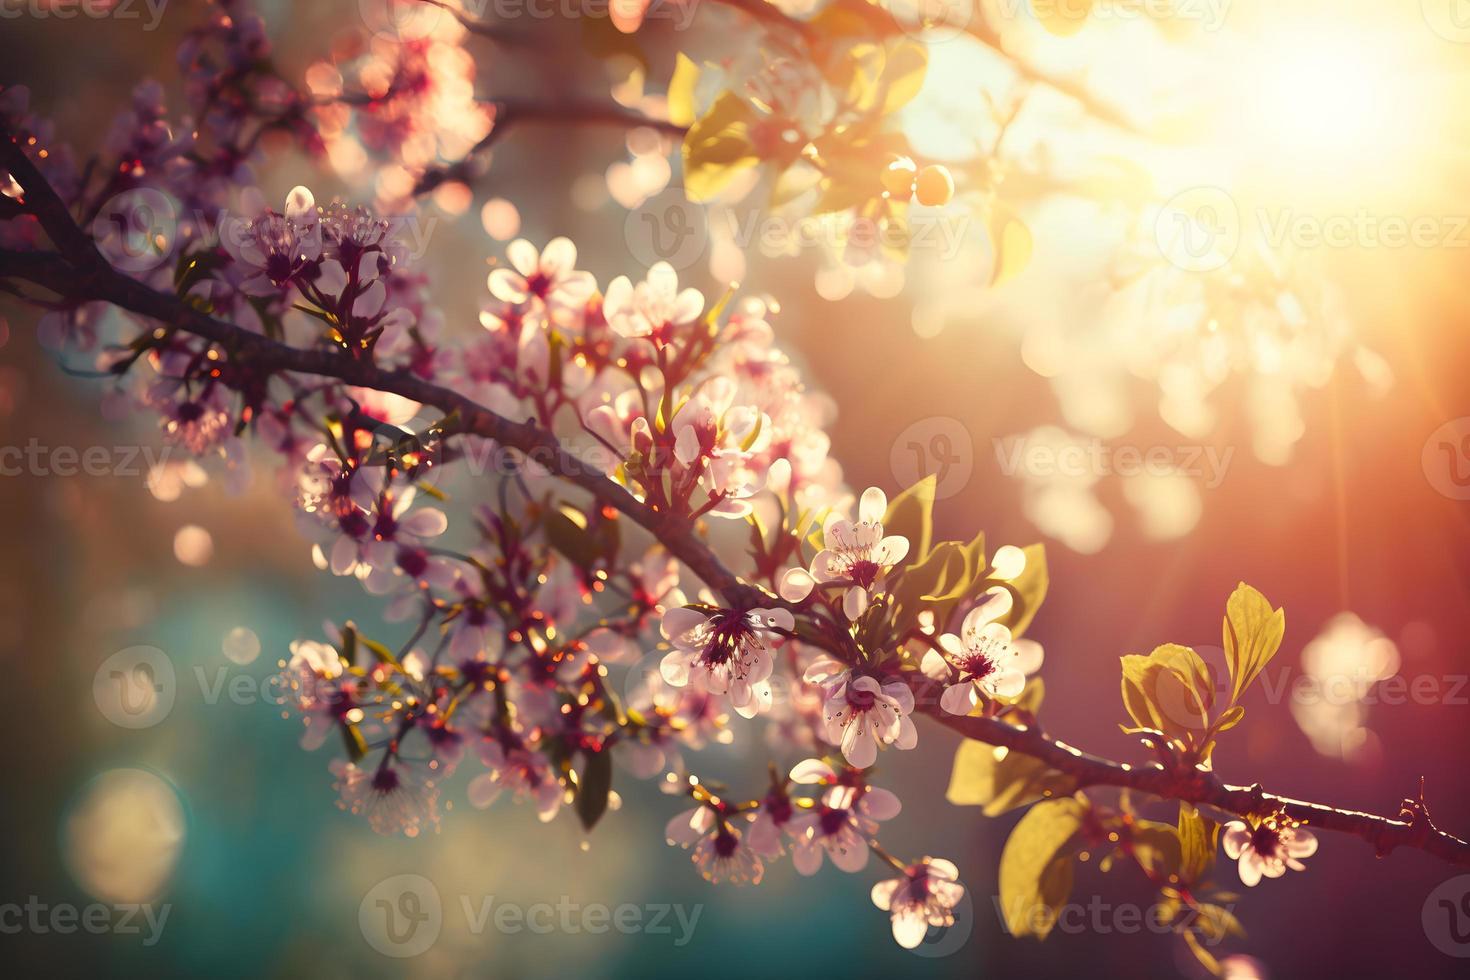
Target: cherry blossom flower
(656, 308)
(524, 772)
(860, 714)
(719, 851)
(842, 822)
(925, 896)
(549, 278)
(774, 820)
(1269, 847)
(393, 796)
(720, 440)
(319, 689)
(986, 658)
(274, 248)
(725, 652)
(858, 555)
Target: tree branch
(80, 273)
(512, 112)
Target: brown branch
(79, 272)
(512, 112)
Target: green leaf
(1205, 957)
(356, 744)
(718, 147)
(1035, 873)
(936, 583)
(1253, 633)
(1157, 847)
(681, 91)
(911, 514)
(1171, 690)
(1215, 922)
(1198, 837)
(903, 74)
(594, 784)
(1012, 243)
(798, 179)
(383, 654)
(996, 780)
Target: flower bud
(934, 186)
(898, 177)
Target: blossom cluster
(532, 619)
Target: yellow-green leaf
(1253, 633)
(997, 780)
(1170, 690)
(1157, 847)
(1198, 836)
(903, 74)
(1012, 243)
(911, 514)
(1035, 872)
(718, 147)
(681, 91)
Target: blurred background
(213, 811)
